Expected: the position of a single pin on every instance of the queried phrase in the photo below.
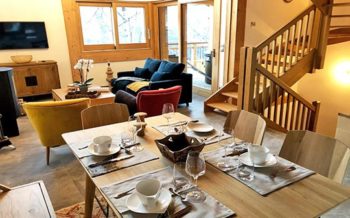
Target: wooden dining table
(309, 197)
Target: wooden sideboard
(34, 78)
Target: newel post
(247, 78)
(314, 116)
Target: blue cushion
(175, 69)
(161, 75)
(142, 73)
(152, 64)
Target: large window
(113, 26)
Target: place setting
(166, 193)
(204, 132)
(109, 154)
(256, 167)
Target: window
(131, 25)
(97, 25)
(108, 26)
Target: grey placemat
(139, 157)
(201, 137)
(210, 208)
(267, 179)
(80, 148)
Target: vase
(83, 89)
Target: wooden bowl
(176, 147)
(22, 59)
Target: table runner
(264, 181)
(139, 157)
(208, 209)
(201, 137)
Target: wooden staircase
(339, 30)
(268, 71)
(224, 99)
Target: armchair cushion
(152, 64)
(142, 73)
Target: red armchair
(150, 101)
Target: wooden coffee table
(104, 98)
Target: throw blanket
(136, 86)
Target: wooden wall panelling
(228, 33)
(216, 45)
(182, 10)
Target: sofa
(156, 74)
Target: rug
(77, 211)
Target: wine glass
(168, 113)
(195, 167)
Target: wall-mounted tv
(23, 35)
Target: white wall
(50, 11)
(269, 16)
(324, 86)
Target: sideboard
(34, 78)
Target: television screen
(22, 35)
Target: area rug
(77, 211)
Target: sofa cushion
(159, 76)
(142, 73)
(152, 65)
(171, 67)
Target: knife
(110, 161)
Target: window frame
(117, 46)
(147, 26)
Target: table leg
(89, 196)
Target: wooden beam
(240, 33)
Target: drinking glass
(195, 167)
(227, 144)
(168, 113)
(133, 130)
(244, 172)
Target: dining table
(311, 196)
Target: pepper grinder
(4, 140)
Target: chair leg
(47, 155)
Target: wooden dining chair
(104, 114)
(322, 154)
(247, 126)
(342, 132)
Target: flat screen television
(23, 35)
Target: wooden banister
(286, 27)
(285, 87)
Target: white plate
(200, 127)
(113, 150)
(270, 160)
(134, 204)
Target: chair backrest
(51, 119)
(322, 154)
(152, 101)
(247, 126)
(342, 132)
(104, 114)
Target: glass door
(169, 33)
(198, 45)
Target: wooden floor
(64, 178)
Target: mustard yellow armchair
(53, 118)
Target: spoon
(183, 199)
(288, 169)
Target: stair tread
(223, 106)
(231, 94)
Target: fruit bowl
(22, 59)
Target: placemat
(80, 148)
(201, 137)
(267, 179)
(210, 208)
(139, 157)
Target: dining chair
(104, 114)
(247, 126)
(322, 154)
(342, 132)
(51, 119)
